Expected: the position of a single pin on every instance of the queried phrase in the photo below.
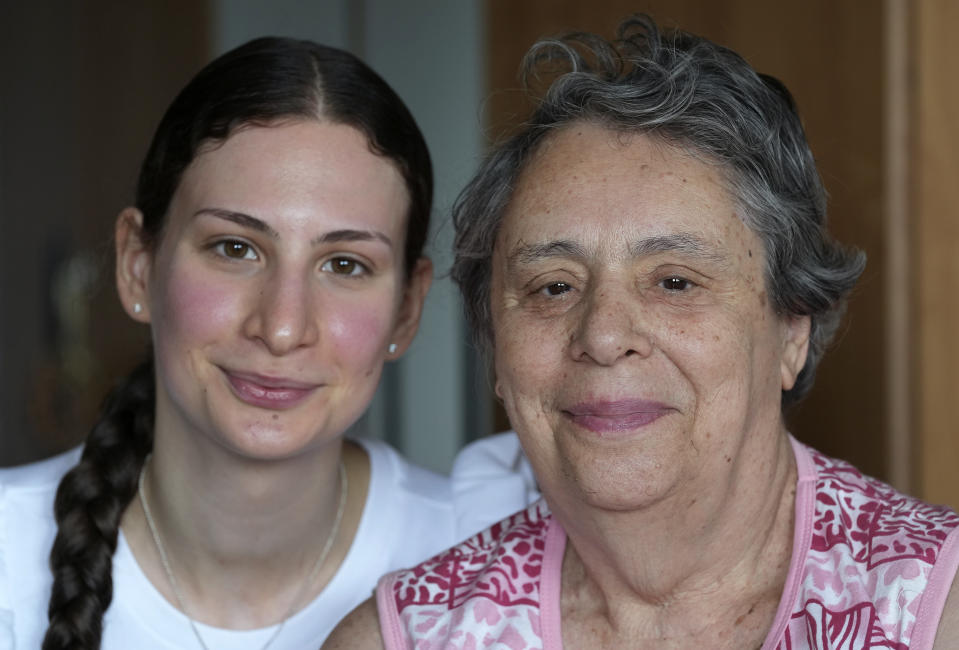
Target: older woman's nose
(282, 315)
(610, 328)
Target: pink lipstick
(616, 417)
(275, 393)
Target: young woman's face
(277, 288)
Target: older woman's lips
(275, 393)
(614, 417)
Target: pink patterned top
(871, 568)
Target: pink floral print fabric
(871, 569)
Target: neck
(243, 535)
(679, 567)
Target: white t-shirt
(410, 514)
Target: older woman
(648, 263)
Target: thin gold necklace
(165, 561)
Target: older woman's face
(636, 349)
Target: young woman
(274, 249)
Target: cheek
(356, 331)
(194, 311)
(726, 360)
(528, 361)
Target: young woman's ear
(411, 308)
(134, 259)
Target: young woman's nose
(611, 327)
(282, 316)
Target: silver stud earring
(137, 308)
(392, 348)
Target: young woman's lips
(616, 417)
(275, 393)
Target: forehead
(314, 174)
(586, 182)
(304, 153)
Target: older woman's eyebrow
(683, 243)
(530, 253)
(239, 218)
(345, 234)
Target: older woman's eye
(235, 249)
(676, 284)
(344, 266)
(556, 288)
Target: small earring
(392, 348)
(137, 308)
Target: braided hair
(90, 501)
(261, 82)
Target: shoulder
(404, 479)
(861, 509)
(360, 630)
(865, 544)
(27, 493)
(27, 529)
(485, 588)
(396, 482)
(420, 511)
(407, 504)
(39, 476)
(947, 635)
(491, 479)
(517, 541)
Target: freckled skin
(279, 313)
(619, 278)
(709, 353)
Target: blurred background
(84, 83)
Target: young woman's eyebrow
(239, 218)
(351, 235)
(259, 225)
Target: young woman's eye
(675, 284)
(556, 288)
(344, 266)
(235, 249)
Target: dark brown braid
(90, 502)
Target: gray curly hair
(705, 99)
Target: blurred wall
(81, 88)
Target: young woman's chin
(258, 433)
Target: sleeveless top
(870, 568)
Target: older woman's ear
(795, 349)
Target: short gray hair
(702, 98)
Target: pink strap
(551, 577)
(802, 535)
(937, 591)
(393, 638)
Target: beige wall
(933, 204)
